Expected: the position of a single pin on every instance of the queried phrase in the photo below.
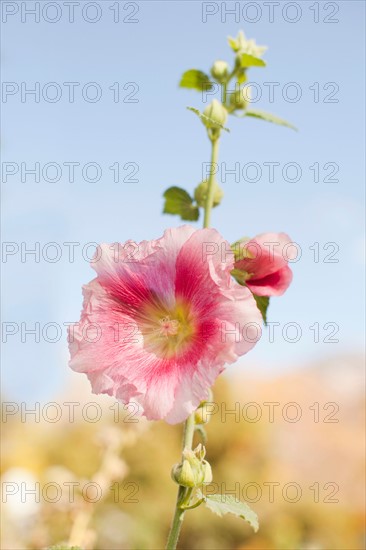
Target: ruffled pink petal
(241, 323)
(268, 268)
(109, 344)
(263, 263)
(274, 284)
(192, 389)
(203, 268)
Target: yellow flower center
(166, 331)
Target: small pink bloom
(161, 319)
(264, 261)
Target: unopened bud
(220, 71)
(189, 473)
(200, 193)
(202, 415)
(193, 471)
(216, 112)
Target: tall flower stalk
(163, 318)
(248, 53)
(189, 425)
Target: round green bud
(220, 71)
(191, 472)
(200, 193)
(216, 112)
(183, 474)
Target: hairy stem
(210, 191)
(182, 491)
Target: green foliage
(227, 504)
(208, 121)
(247, 60)
(270, 118)
(196, 80)
(247, 54)
(262, 304)
(179, 202)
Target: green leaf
(178, 201)
(207, 119)
(270, 118)
(247, 60)
(227, 504)
(262, 304)
(197, 80)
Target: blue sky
(169, 145)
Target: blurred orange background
(291, 445)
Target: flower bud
(208, 472)
(216, 112)
(202, 415)
(183, 474)
(190, 472)
(240, 98)
(220, 71)
(193, 471)
(200, 193)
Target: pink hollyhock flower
(263, 262)
(161, 319)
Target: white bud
(216, 112)
(220, 71)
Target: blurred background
(293, 445)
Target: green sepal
(206, 119)
(240, 276)
(262, 304)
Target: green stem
(211, 190)
(189, 426)
(224, 92)
(179, 512)
(225, 85)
